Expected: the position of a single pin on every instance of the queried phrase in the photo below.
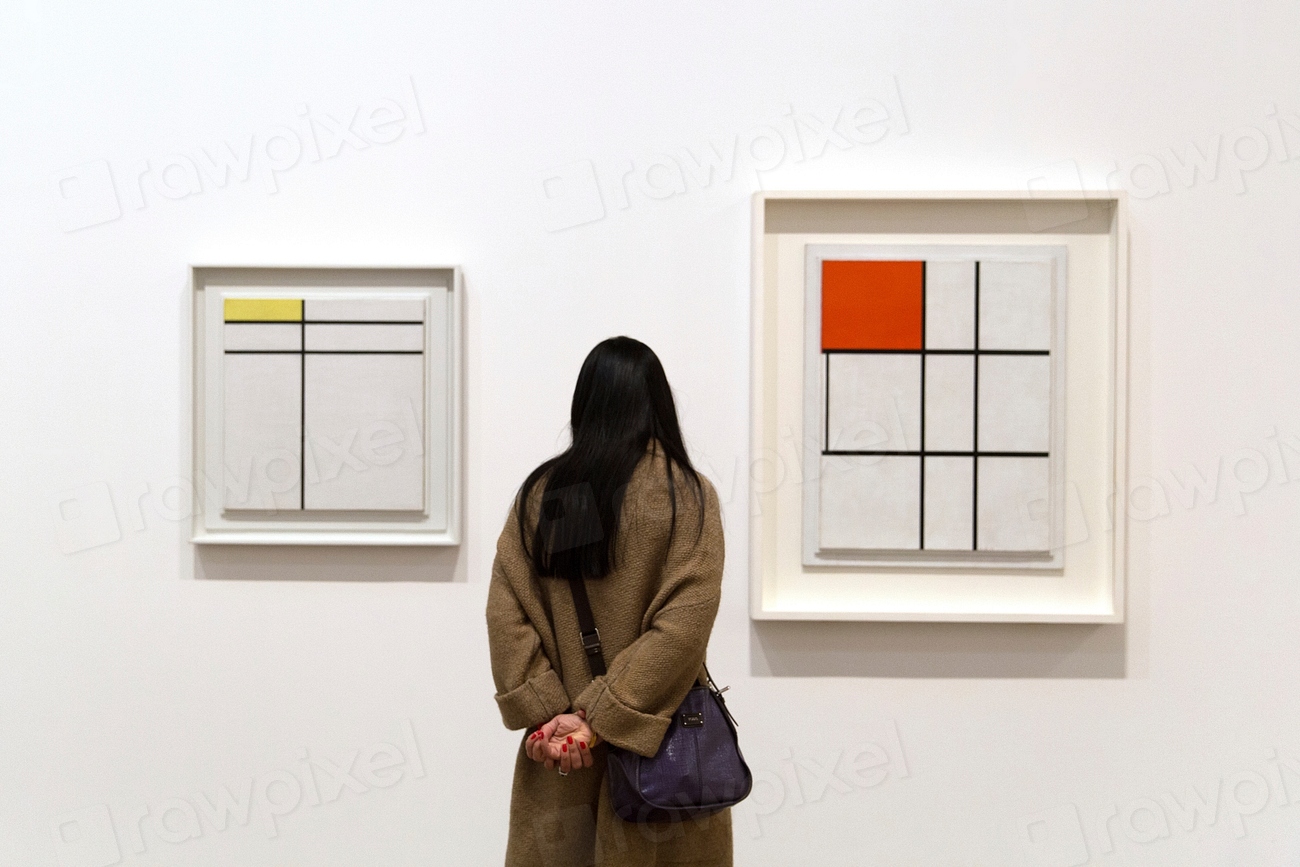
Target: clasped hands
(564, 742)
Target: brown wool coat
(654, 612)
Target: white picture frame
(433, 431)
(1084, 580)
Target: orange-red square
(871, 305)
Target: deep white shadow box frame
(327, 405)
(1080, 577)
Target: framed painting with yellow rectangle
(327, 405)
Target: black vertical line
(921, 458)
(975, 424)
(302, 407)
(827, 406)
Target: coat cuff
(616, 722)
(534, 702)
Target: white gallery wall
(591, 167)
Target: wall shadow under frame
(362, 563)
(800, 648)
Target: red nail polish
(582, 745)
(565, 747)
(570, 740)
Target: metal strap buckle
(591, 642)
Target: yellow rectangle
(263, 309)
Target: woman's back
(622, 511)
(660, 563)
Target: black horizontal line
(988, 352)
(928, 454)
(324, 321)
(937, 351)
(324, 352)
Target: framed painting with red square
(934, 396)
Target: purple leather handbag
(698, 769)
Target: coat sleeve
(528, 690)
(632, 704)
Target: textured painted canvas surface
(936, 403)
(324, 404)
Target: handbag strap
(590, 636)
(587, 630)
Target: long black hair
(621, 403)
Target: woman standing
(623, 510)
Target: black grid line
(363, 321)
(323, 321)
(906, 453)
(924, 351)
(302, 422)
(975, 423)
(921, 461)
